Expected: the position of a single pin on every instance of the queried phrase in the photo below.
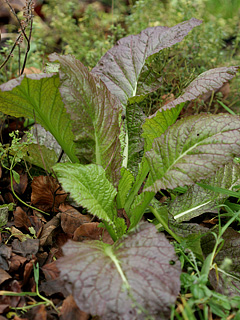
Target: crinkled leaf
(136, 277)
(89, 187)
(135, 118)
(124, 186)
(121, 66)
(192, 149)
(149, 81)
(37, 96)
(210, 80)
(95, 115)
(207, 81)
(198, 200)
(158, 123)
(138, 207)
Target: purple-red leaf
(208, 81)
(192, 149)
(95, 115)
(121, 66)
(136, 277)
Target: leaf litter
(31, 236)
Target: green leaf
(197, 200)
(16, 176)
(124, 186)
(192, 149)
(42, 149)
(89, 187)
(95, 115)
(210, 80)
(158, 123)
(37, 97)
(135, 117)
(136, 210)
(40, 156)
(148, 81)
(138, 207)
(136, 278)
(120, 68)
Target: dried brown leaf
(70, 310)
(10, 301)
(48, 231)
(27, 271)
(4, 276)
(71, 218)
(50, 271)
(27, 248)
(36, 313)
(91, 231)
(16, 262)
(18, 234)
(5, 254)
(21, 219)
(47, 194)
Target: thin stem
(28, 205)
(19, 38)
(10, 53)
(28, 47)
(164, 224)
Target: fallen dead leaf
(18, 234)
(8, 198)
(27, 248)
(52, 284)
(36, 313)
(70, 310)
(71, 218)
(91, 231)
(60, 240)
(50, 271)
(11, 301)
(4, 307)
(16, 262)
(37, 221)
(27, 271)
(4, 276)
(48, 230)
(51, 287)
(47, 194)
(5, 254)
(21, 219)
